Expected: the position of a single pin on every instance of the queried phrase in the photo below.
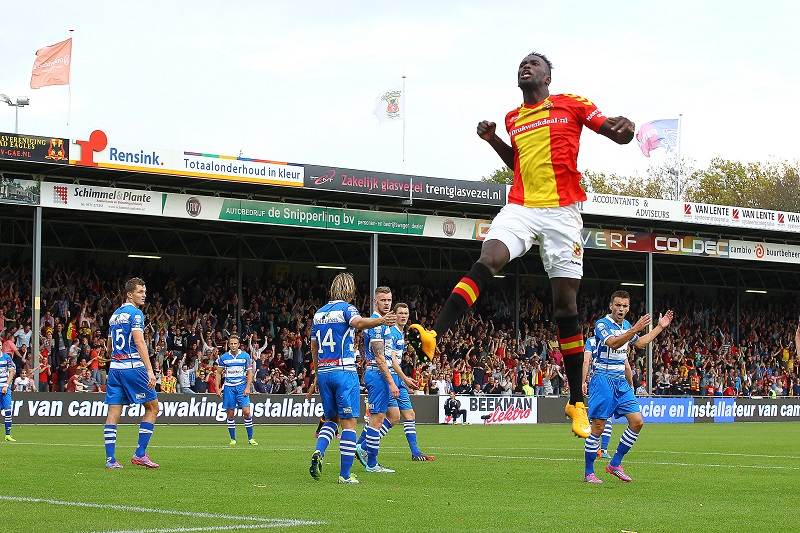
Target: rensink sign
(98, 151)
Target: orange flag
(51, 66)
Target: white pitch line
(721, 454)
(260, 521)
(166, 447)
(207, 528)
(403, 449)
(627, 461)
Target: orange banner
(51, 66)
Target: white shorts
(556, 229)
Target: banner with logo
(765, 251)
(629, 241)
(689, 212)
(690, 245)
(99, 152)
(66, 408)
(54, 150)
(494, 409)
(278, 213)
(88, 408)
(629, 207)
(52, 65)
(390, 105)
(105, 199)
(692, 410)
(14, 191)
(404, 186)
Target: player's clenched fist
(486, 130)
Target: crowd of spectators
(190, 318)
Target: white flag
(390, 105)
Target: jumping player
(336, 377)
(236, 393)
(542, 206)
(130, 376)
(611, 387)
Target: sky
(297, 81)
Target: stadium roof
(197, 238)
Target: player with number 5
(335, 377)
(130, 377)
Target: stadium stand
(191, 314)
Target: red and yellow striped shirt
(546, 137)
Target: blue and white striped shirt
(334, 336)
(609, 361)
(6, 366)
(121, 326)
(236, 367)
(378, 334)
(398, 346)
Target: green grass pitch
(700, 477)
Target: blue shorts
(340, 392)
(233, 397)
(609, 396)
(127, 386)
(5, 399)
(377, 391)
(404, 401)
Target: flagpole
(69, 104)
(404, 124)
(678, 173)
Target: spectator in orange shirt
(169, 382)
